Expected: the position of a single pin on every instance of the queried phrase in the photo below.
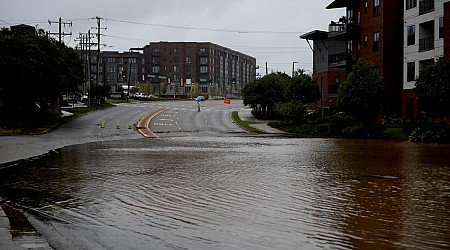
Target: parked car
(84, 99)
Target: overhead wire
(209, 29)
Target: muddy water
(237, 193)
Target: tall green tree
(433, 88)
(146, 89)
(303, 88)
(362, 95)
(264, 93)
(34, 69)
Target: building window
(411, 72)
(441, 27)
(366, 5)
(411, 4)
(376, 41)
(155, 69)
(155, 50)
(203, 69)
(111, 60)
(411, 35)
(175, 69)
(175, 51)
(188, 51)
(375, 70)
(188, 60)
(203, 60)
(366, 39)
(376, 7)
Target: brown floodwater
(237, 193)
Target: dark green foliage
(433, 88)
(337, 123)
(303, 88)
(277, 94)
(290, 111)
(356, 131)
(362, 95)
(262, 94)
(35, 69)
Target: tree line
(360, 102)
(35, 71)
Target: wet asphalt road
(181, 117)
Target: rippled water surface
(238, 193)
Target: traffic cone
(129, 125)
(118, 125)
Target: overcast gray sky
(267, 30)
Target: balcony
(336, 27)
(426, 6)
(426, 44)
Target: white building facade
(423, 44)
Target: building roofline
(336, 4)
(315, 35)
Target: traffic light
(210, 82)
(234, 80)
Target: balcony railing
(336, 27)
(426, 44)
(426, 6)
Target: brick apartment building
(329, 61)
(372, 33)
(427, 39)
(117, 69)
(217, 70)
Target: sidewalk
(23, 239)
(246, 115)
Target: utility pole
(99, 28)
(60, 32)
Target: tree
(262, 94)
(34, 69)
(303, 88)
(433, 88)
(362, 95)
(164, 88)
(146, 89)
(195, 90)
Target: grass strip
(244, 124)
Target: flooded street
(237, 193)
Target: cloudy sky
(267, 30)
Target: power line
(209, 29)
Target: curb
(143, 124)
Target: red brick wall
(329, 78)
(388, 59)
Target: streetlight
(293, 68)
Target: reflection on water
(238, 193)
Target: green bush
(323, 128)
(355, 131)
(431, 135)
